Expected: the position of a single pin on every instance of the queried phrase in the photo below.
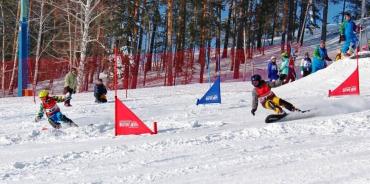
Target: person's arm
(40, 113)
(341, 28)
(59, 98)
(274, 84)
(302, 65)
(326, 56)
(254, 101)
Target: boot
(69, 121)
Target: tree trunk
(180, 40)
(324, 20)
(71, 58)
(84, 43)
(15, 51)
(202, 53)
(38, 44)
(234, 40)
(169, 54)
(290, 25)
(135, 71)
(344, 9)
(284, 24)
(218, 36)
(3, 50)
(274, 24)
(302, 17)
(227, 31)
(148, 63)
(240, 40)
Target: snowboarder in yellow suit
(262, 93)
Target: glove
(302, 73)
(74, 91)
(253, 111)
(37, 119)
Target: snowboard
(67, 125)
(272, 118)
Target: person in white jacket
(305, 65)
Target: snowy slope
(197, 144)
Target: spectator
(320, 56)
(306, 65)
(272, 69)
(284, 67)
(100, 92)
(291, 74)
(70, 86)
(347, 32)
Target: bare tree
(88, 12)
(41, 31)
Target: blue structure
(23, 48)
(213, 95)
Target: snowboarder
(70, 86)
(347, 32)
(262, 93)
(306, 65)
(100, 92)
(272, 69)
(320, 56)
(50, 108)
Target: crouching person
(262, 93)
(50, 108)
(100, 92)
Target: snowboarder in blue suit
(320, 56)
(347, 32)
(50, 108)
(272, 69)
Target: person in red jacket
(262, 93)
(50, 108)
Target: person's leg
(286, 104)
(345, 47)
(53, 121)
(68, 90)
(272, 106)
(65, 119)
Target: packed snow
(221, 143)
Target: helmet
(43, 93)
(256, 80)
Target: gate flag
(127, 123)
(213, 95)
(351, 86)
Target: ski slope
(197, 144)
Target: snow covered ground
(197, 144)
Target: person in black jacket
(100, 92)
